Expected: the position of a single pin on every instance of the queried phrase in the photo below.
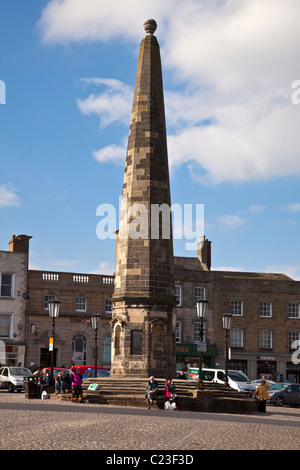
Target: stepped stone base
(130, 392)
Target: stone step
(205, 402)
(127, 391)
(129, 386)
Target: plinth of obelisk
(143, 319)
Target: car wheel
(10, 387)
(278, 401)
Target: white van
(236, 378)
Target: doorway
(45, 358)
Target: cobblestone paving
(56, 425)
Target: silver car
(12, 378)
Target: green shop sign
(190, 350)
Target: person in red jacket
(170, 392)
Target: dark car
(289, 395)
(276, 387)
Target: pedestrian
(65, 381)
(262, 395)
(170, 393)
(181, 375)
(151, 391)
(76, 385)
(58, 383)
(45, 381)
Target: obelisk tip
(150, 27)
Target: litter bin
(31, 386)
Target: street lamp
(96, 321)
(53, 306)
(201, 312)
(226, 325)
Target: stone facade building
(80, 296)
(265, 324)
(13, 294)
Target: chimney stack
(204, 253)
(19, 244)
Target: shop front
(11, 354)
(187, 356)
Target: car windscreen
(278, 386)
(19, 371)
(238, 376)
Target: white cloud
(111, 106)
(255, 208)
(111, 153)
(293, 207)
(230, 222)
(8, 196)
(231, 118)
(66, 21)
(105, 267)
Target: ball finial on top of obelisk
(150, 27)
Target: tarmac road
(28, 424)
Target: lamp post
(54, 307)
(201, 312)
(226, 325)
(96, 321)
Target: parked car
(12, 378)
(82, 369)
(257, 382)
(289, 395)
(236, 378)
(100, 373)
(275, 387)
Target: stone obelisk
(143, 319)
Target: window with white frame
(265, 309)
(178, 332)
(178, 295)
(236, 307)
(199, 294)
(80, 304)
(47, 299)
(197, 333)
(236, 338)
(293, 310)
(108, 306)
(5, 325)
(293, 339)
(7, 285)
(265, 339)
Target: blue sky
(233, 128)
